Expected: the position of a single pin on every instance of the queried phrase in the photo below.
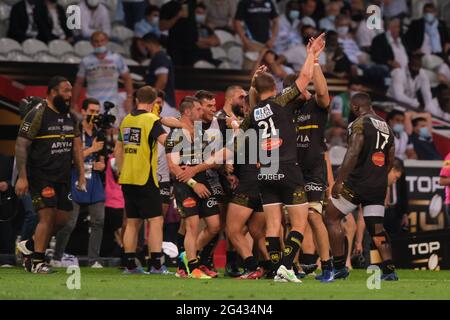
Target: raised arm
(319, 81)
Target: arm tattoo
(22, 145)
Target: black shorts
(113, 218)
(142, 202)
(215, 185)
(190, 204)
(286, 186)
(360, 196)
(47, 194)
(247, 193)
(315, 182)
(164, 191)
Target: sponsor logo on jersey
(380, 125)
(211, 203)
(26, 126)
(313, 187)
(378, 159)
(48, 192)
(268, 176)
(271, 144)
(263, 113)
(189, 203)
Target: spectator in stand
(327, 23)
(296, 55)
(134, 11)
(348, 44)
(337, 62)
(364, 34)
(280, 71)
(160, 73)
(94, 17)
(445, 181)
(340, 105)
(257, 24)
(428, 35)
(308, 9)
(395, 8)
(388, 49)
(179, 19)
(207, 39)
(411, 85)
(288, 35)
(57, 21)
(101, 70)
(420, 131)
(220, 13)
(94, 197)
(404, 148)
(27, 20)
(150, 22)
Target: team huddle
(258, 171)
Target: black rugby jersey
(311, 121)
(370, 173)
(52, 134)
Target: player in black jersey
(193, 193)
(48, 142)
(311, 116)
(280, 178)
(362, 180)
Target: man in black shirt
(193, 192)
(160, 74)
(363, 180)
(280, 178)
(48, 142)
(311, 117)
(261, 21)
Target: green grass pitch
(109, 283)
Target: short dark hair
(88, 101)
(289, 80)
(394, 113)
(187, 103)
(200, 5)
(362, 100)
(264, 83)
(429, 5)
(416, 121)
(204, 95)
(151, 38)
(55, 82)
(146, 94)
(150, 9)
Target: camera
(103, 122)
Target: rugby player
(363, 179)
(192, 191)
(48, 142)
(272, 117)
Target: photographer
(94, 198)
(47, 143)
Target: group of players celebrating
(246, 187)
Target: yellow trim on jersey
(50, 136)
(312, 126)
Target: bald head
(360, 103)
(234, 96)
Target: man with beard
(48, 142)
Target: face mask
(200, 18)
(429, 17)
(100, 50)
(93, 3)
(342, 31)
(331, 18)
(237, 110)
(155, 21)
(398, 128)
(294, 14)
(60, 104)
(424, 132)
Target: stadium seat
(202, 64)
(130, 62)
(122, 33)
(18, 56)
(337, 154)
(224, 37)
(83, 48)
(117, 48)
(46, 58)
(33, 46)
(60, 47)
(70, 58)
(7, 45)
(236, 56)
(218, 53)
